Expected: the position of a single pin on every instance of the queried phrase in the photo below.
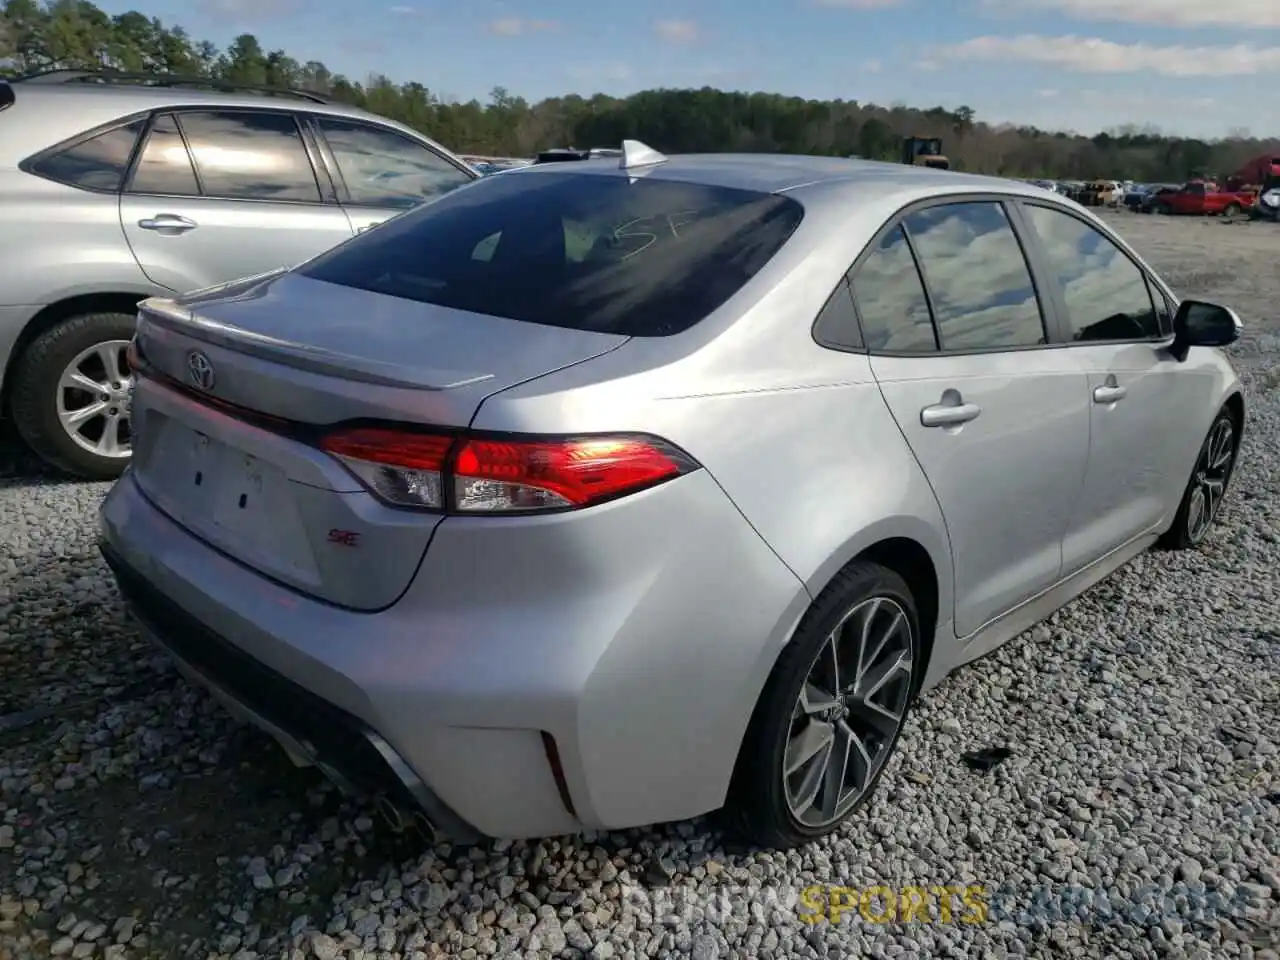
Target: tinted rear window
(98, 163)
(588, 252)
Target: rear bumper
(345, 748)
(593, 671)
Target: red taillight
(503, 475)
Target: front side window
(99, 163)
(243, 155)
(891, 299)
(382, 168)
(979, 281)
(588, 252)
(1105, 292)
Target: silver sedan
(616, 491)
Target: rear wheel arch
(909, 559)
(60, 312)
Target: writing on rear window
(587, 252)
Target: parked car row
(114, 189)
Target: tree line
(76, 34)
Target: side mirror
(1201, 324)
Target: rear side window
(382, 168)
(891, 298)
(243, 155)
(647, 257)
(164, 166)
(983, 296)
(99, 163)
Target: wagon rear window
(585, 251)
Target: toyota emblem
(200, 370)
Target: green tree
(47, 34)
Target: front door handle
(368, 226)
(949, 414)
(168, 223)
(1109, 393)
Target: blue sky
(1188, 66)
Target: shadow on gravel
(19, 467)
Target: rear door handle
(170, 223)
(949, 414)
(368, 226)
(1109, 393)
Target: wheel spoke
(1212, 497)
(109, 355)
(837, 768)
(814, 738)
(1195, 514)
(1220, 446)
(74, 419)
(862, 763)
(883, 719)
(814, 700)
(75, 380)
(109, 443)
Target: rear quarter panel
(60, 242)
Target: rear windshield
(584, 251)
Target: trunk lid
(309, 354)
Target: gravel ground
(1137, 816)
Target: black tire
(756, 809)
(1185, 533)
(1162, 209)
(1232, 210)
(33, 400)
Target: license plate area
(236, 501)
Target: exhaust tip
(391, 815)
(425, 828)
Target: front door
(997, 418)
(383, 172)
(219, 195)
(1140, 397)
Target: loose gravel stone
(1137, 816)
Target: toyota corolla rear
(521, 633)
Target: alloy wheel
(1209, 484)
(94, 399)
(848, 712)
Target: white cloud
(872, 66)
(517, 26)
(404, 11)
(677, 31)
(1095, 55)
(1241, 14)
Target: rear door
(220, 194)
(1140, 397)
(381, 172)
(995, 412)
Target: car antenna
(637, 154)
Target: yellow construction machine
(924, 152)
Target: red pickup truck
(1203, 198)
